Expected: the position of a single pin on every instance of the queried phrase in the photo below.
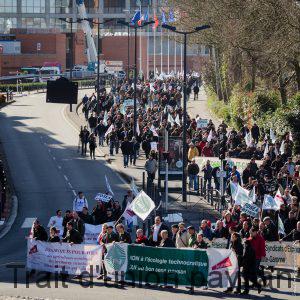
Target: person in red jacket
(258, 243)
(207, 150)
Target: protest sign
(154, 146)
(92, 232)
(53, 257)
(250, 209)
(201, 123)
(103, 197)
(142, 205)
(128, 102)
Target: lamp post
(98, 54)
(135, 27)
(184, 144)
(71, 22)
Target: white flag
(109, 130)
(281, 150)
(210, 136)
(290, 137)
(270, 203)
(177, 120)
(266, 150)
(134, 188)
(105, 119)
(138, 128)
(272, 136)
(276, 151)
(170, 119)
(152, 128)
(248, 139)
(242, 196)
(280, 226)
(108, 186)
(252, 195)
(142, 205)
(278, 198)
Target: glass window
(114, 6)
(33, 23)
(8, 6)
(33, 6)
(7, 23)
(60, 6)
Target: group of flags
(139, 18)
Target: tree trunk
(253, 75)
(297, 71)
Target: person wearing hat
(193, 152)
(192, 236)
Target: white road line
(54, 158)
(70, 185)
(66, 178)
(59, 167)
(74, 193)
(28, 222)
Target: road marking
(54, 158)
(67, 179)
(49, 150)
(59, 167)
(74, 193)
(28, 222)
(70, 185)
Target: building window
(136, 4)
(33, 6)
(7, 23)
(60, 6)
(91, 6)
(114, 6)
(33, 23)
(8, 6)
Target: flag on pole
(136, 18)
(134, 188)
(248, 139)
(108, 186)
(272, 136)
(138, 128)
(109, 130)
(233, 189)
(290, 137)
(210, 136)
(270, 203)
(242, 196)
(278, 198)
(177, 120)
(156, 22)
(171, 16)
(105, 118)
(281, 150)
(280, 226)
(163, 18)
(144, 18)
(128, 214)
(252, 195)
(170, 119)
(152, 128)
(142, 205)
(266, 151)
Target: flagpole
(175, 54)
(181, 58)
(147, 76)
(154, 47)
(140, 41)
(161, 50)
(168, 53)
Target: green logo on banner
(116, 257)
(142, 206)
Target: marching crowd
(271, 168)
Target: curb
(10, 221)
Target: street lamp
(184, 144)
(71, 22)
(135, 27)
(98, 54)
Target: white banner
(103, 197)
(142, 205)
(223, 265)
(285, 254)
(53, 257)
(92, 232)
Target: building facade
(156, 51)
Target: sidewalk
(196, 207)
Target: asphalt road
(41, 149)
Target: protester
(165, 241)
(158, 226)
(73, 236)
(182, 237)
(79, 203)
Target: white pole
(175, 54)
(141, 41)
(167, 169)
(147, 76)
(161, 50)
(154, 52)
(181, 58)
(168, 53)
